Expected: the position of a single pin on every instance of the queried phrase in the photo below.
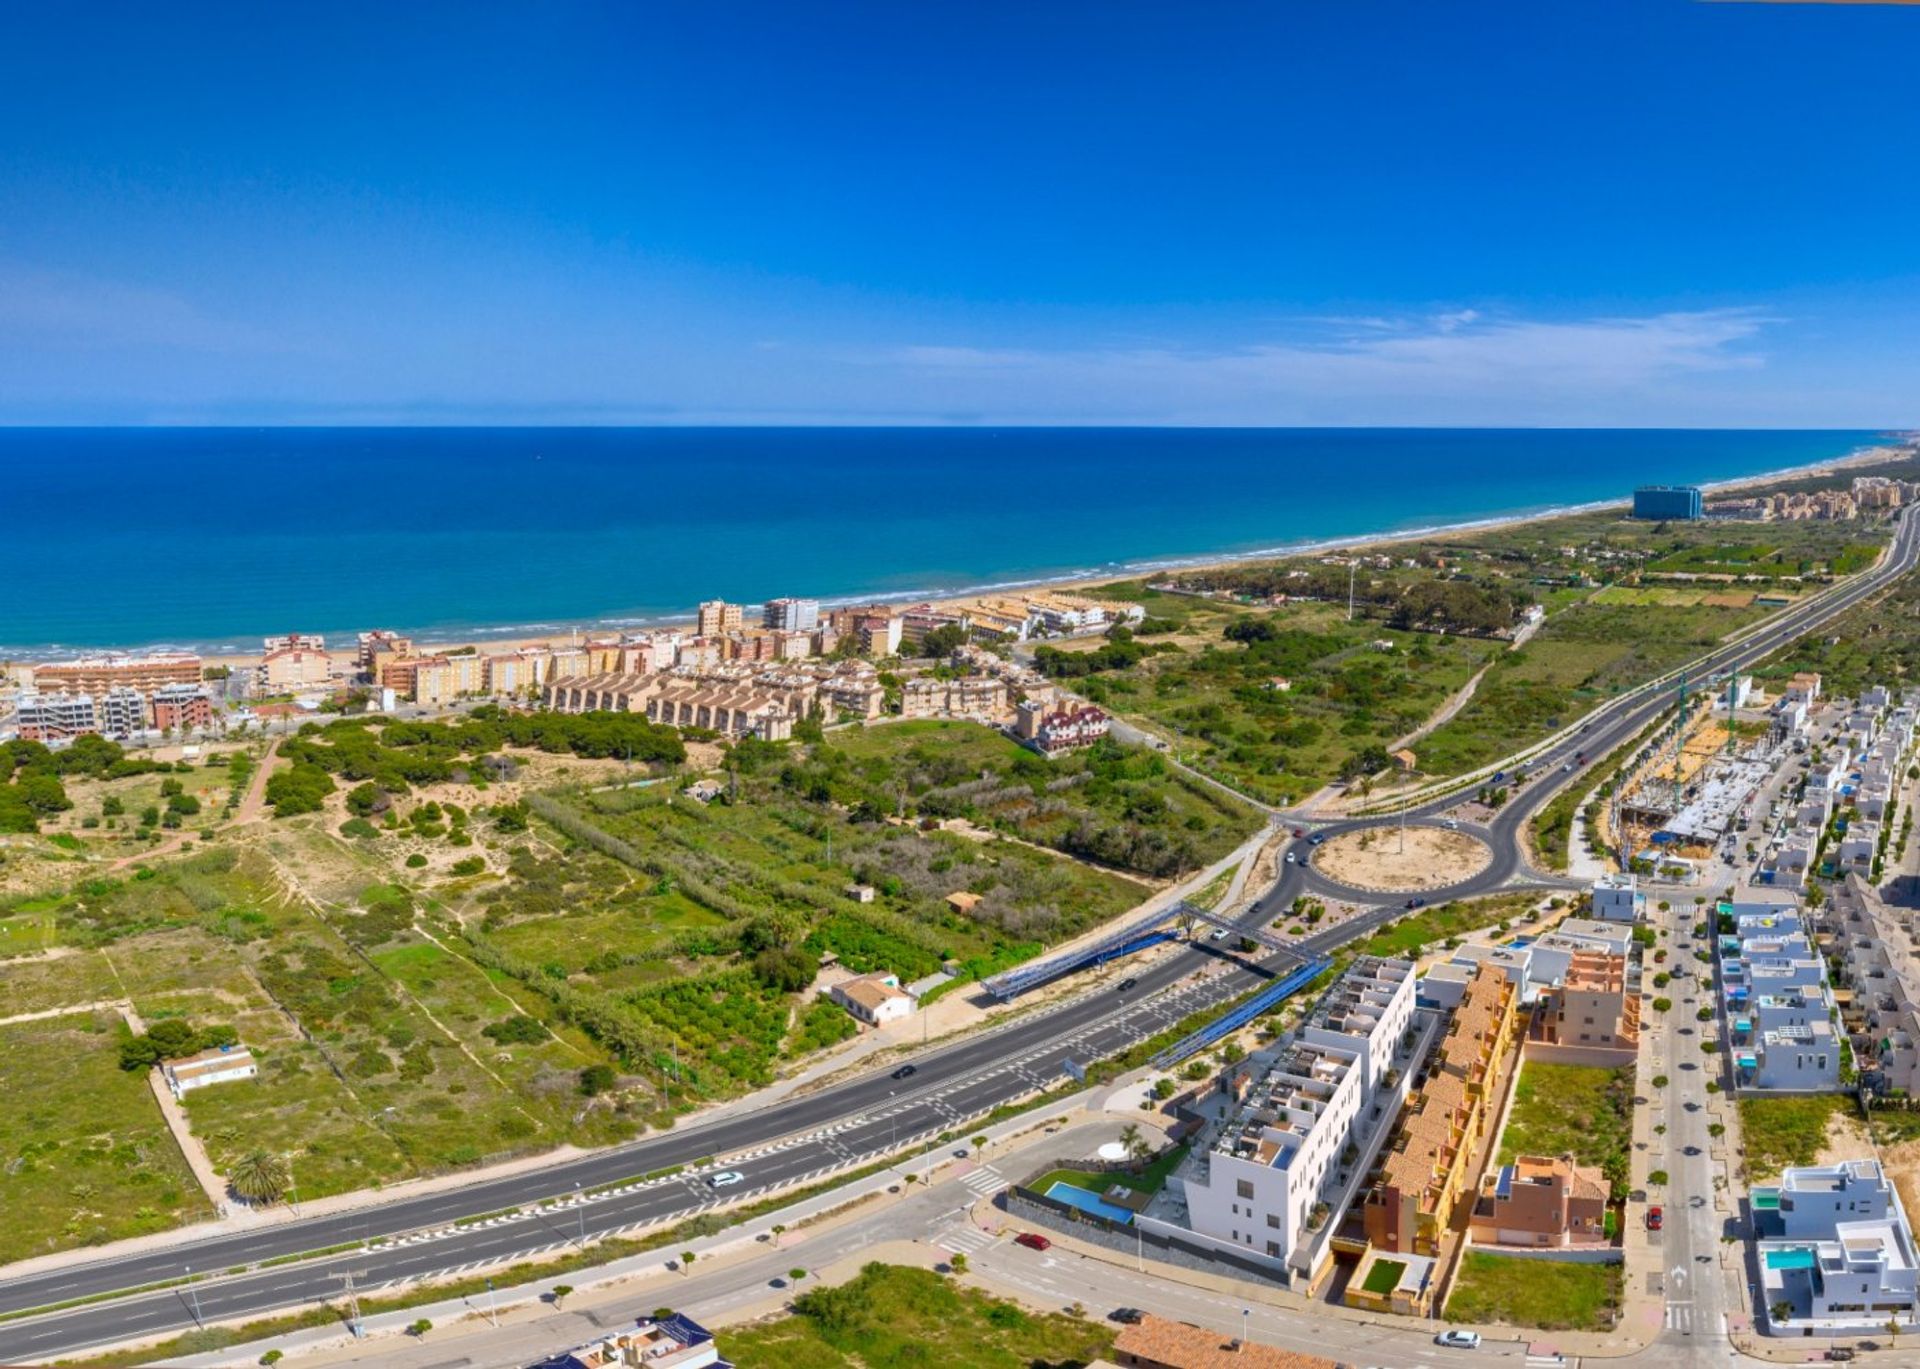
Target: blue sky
(1618, 212)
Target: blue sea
(212, 538)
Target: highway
(811, 1135)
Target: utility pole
(580, 1207)
(493, 1312)
(353, 1305)
(1353, 569)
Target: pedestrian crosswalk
(1546, 1362)
(965, 1240)
(984, 1181)
(1680, 1317)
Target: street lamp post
(580, 1207)
(193, 1293)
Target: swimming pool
(1064, 1192)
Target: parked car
(1131, 1316)
(1458, 1340)
(1032, 1240)
(906, 1072)
(1655, 1218)
(1839, 1354)
(725, 1179)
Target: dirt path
(256, 795)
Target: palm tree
(259, 1177)
(1137, 1147)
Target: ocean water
(215, 537)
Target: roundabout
(1410, 860)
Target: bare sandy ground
(1421, 858)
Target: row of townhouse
(1861, 762)
(1428, 1166)
(1874, 954)
(1779, 1006)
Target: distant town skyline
(1630, 213)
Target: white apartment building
(1780, 1011)
(1256, 1189)
(1617, 898)
(53, 717)
(1833, 1244)
(791, 615)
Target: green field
(1542, 1293)
(1410, 936)
(1579, 1110)
(1778, 1132)
(899, 1318)
(85, 1154)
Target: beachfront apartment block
(289, 669)
(1835, 1252)
(1667, 503)
(791, 615)
(716, 618)
(95, 675)
(1300, 1114)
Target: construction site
(1693, 782)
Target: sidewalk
(816, 1216)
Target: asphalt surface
(815, 1134)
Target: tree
(419, 1328)
(686, 1261)
(796, 1274)
(560, 1292)
(786, 968)
(1137, 1146)
(1781, 1312)
(273, 1357)
(259, 1176)
(958, 1262)
(979, 1144)
(597, 1079)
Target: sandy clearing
(1419, 858)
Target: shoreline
(512, 635)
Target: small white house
(1616, 898)
(875, 999)
(216, 1066)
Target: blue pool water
(1064, 1192)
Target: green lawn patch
(1549, 1294)
(1384, 1276)
(1412, 934)
(1151, 1179)
(891, 1317)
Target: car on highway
(1125, 984)
(1299, 831)
(1292, 859)
(1316, 838)
(1128, 1316)
(906, 1072)
(1033, 1240)
(1416, 903)
(1458, 1340)
(1219, 935)
(726, 1178)
(1656, 1218)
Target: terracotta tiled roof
(1156, 1343)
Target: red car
(1032, 1241)
(1654, 1218)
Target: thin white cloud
(52, 308)
(1451, 367)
